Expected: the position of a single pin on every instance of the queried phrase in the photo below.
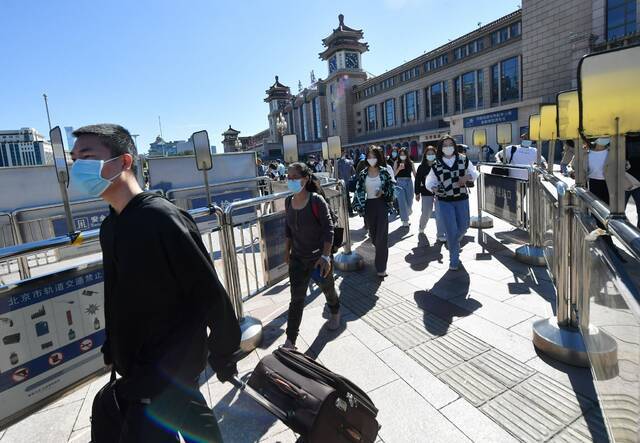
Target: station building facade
(500, 72)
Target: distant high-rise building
(71, 140)
(162, 148)
(24, 147)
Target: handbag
(106, 415)
(499, 170)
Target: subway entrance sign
(491, 118)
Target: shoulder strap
(287, 202)
(513, 151)
(314, 208)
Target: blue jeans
(441, 233)
(455, 218)
(405, 193)
(402, 203)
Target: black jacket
(421, 176)
(161, 292)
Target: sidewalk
(446, 356)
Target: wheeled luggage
(318, 404)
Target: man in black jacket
(161, 295)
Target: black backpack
(498, 170)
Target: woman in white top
(373, 200)
(448, 179)
(596, 165)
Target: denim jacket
(360, 198)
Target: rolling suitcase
(318, 404)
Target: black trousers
(376, 215)
(299, 276)
(176, 409)
(599, 189)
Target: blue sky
(199, 64)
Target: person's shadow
(440, 313)
(421, 256)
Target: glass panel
(390, 112)
(510, 89)
(445, 96)
(495, 84)
(515, 29)
(436, 99)
(410, 106)
(468, 91)
(480, 80)
(372, 120)
(456, 94)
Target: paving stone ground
(446, 356)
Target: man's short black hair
(114, 137)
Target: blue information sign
(82, 222)
(492, 118)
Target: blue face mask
(431, 157)
(394, 154)
(86, 176)
(294, 186)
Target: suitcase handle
(260, 399)
(286, 387)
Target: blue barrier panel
(272, 233)
(51, 331)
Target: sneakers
(421, 231)
(289, 345)
(406, 224)
(334, 322)
(454, 267)
(442, 239)
(382, 274)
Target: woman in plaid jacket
(373, 200)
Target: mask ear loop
(115, 176)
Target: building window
(621, 18)
(331, 89)
(445, 97)
(469, 91)
(509, 80)
(506, 33)
(303, 122)
(505, 81)
(410, 110)
(4, 159)
(480, 85)
(436, 99)
(456, 94)
(333, 124)
(333, 107)
(390, 112)
(495, 84)
(317, 118)
(372, 119)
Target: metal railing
(596, 273)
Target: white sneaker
(406, 224)
(453, 268)
(442, 239)
(383, 274)
(421, 231)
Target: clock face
(333, 64)
(351, 60)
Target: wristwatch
(326, 258)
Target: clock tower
(343, 54)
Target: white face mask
(372, 161)
(448, 150)
(403, 157)
(431, 157)
(602, 141)
(526, 143)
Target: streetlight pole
(46, 105)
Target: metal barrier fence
(597, 321)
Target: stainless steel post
(617, 196)
(347, 260)
(250, 327)
(480, 221)
(23, 263)
(580, 179)
(532, 253)
(555, 336)
(552, 155)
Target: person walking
(345, 172)
(403, 170)
(282, 170)
(424, 194)
(161, 294)
(308, 244)
(448, 179)
(373, 200)
(568, 151)
(392, 157)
